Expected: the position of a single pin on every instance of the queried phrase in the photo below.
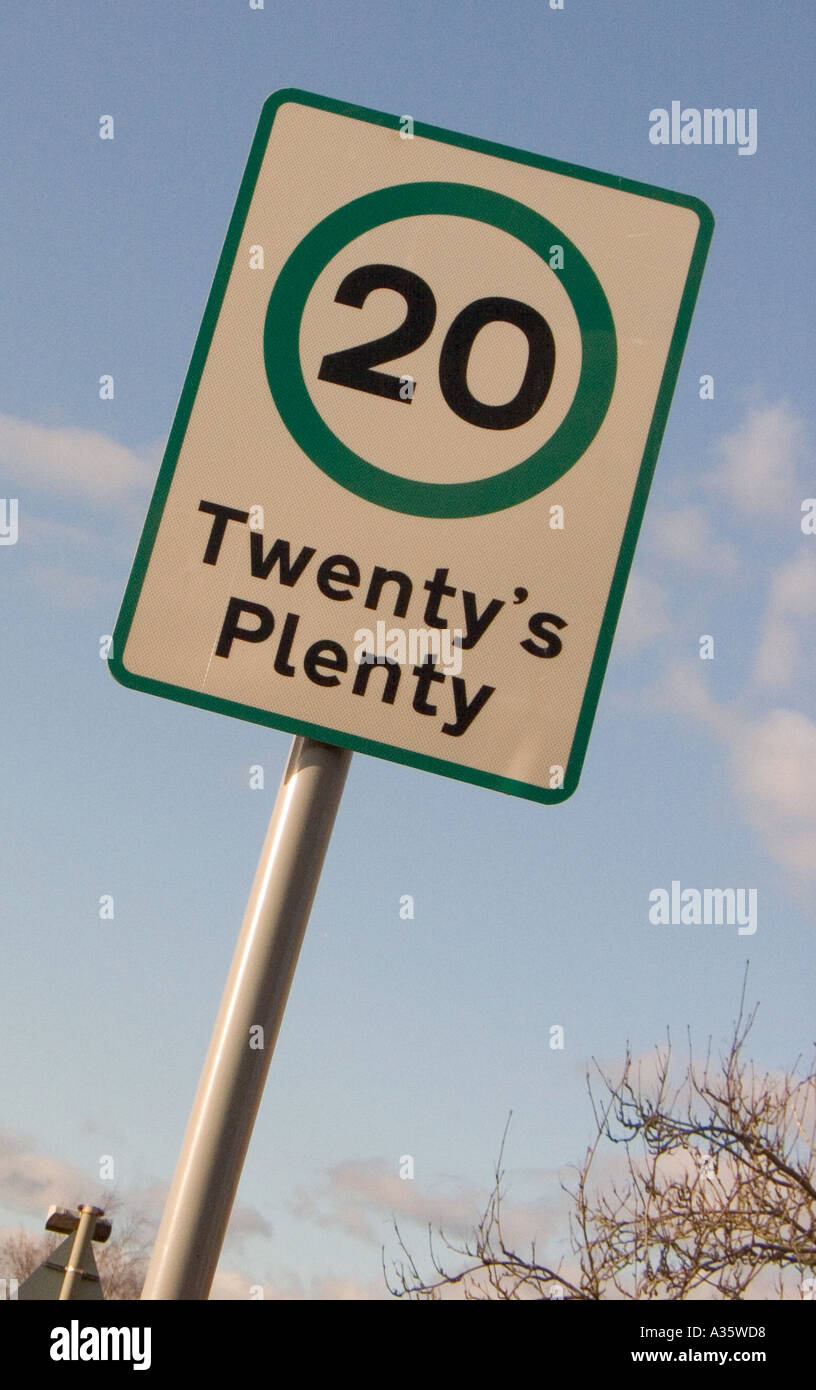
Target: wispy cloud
(30, 1181)
(366, 1198)
(787, 642)
(82, 498)
(687, 539)
(759, 461)
(358, 1197)
(774, 761)
(644, 617)
(773, 758)
(66, 588)
(69, 461)
(235, 1285)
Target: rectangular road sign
(402, 490)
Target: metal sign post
(229, 1093)
(80, 1250)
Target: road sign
(402, 491)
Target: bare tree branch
(717, 1196)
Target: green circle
(310, 431)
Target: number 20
(352, 366)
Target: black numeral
(456, 349)
(352, 366)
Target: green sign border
(308, 428)
(630, 535)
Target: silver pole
(218, 1132)
(75, 1267)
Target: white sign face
(401, 495)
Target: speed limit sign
(402, 491)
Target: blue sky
(401, 1037)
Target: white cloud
(231, 1285)
(773, 765)
(774, 761)
(366, 1198)
(358, 1193)
(758, 468)
(643, 615)
(683, 690)
(67, 589)
(785, 644)
(236, 1286)
(686, 538)
(69, 461)
(30, 1182)
(246, 1221)
(105, 483)
(49, 534)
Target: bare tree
(716, 1197)
(21, 1252)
